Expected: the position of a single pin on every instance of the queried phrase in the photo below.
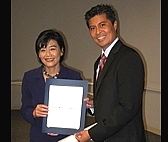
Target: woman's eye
(42, 50)
(53, 48)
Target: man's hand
(82, 136)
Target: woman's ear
(62, 52)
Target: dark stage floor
(20, 129)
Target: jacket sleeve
(27, 103)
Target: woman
(50, 50)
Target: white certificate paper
(72, 138)
(67, 109)
(67, 102)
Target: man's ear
(115, 25)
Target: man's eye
(102, 25)
(92, 28)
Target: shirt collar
(107, 51)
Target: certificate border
(65, 82)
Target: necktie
(101, 64)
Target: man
(118, 91)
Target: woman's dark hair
(98, 10)
(43, 39)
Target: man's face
(102, 31)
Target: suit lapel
(109, 61)
(39, 77)
(106, 66)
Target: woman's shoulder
(33, 71)
(70, 72)
(69, 69)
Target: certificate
(67, 109)
(72, 138)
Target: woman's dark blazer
(33, 90)
(118, 97)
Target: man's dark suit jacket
(33, 89)
(118, 97)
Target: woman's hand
(89, 102)
(41, 110)
(52, 134)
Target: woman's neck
(51, 72)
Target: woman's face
(50, 55)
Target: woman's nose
(48, 52)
